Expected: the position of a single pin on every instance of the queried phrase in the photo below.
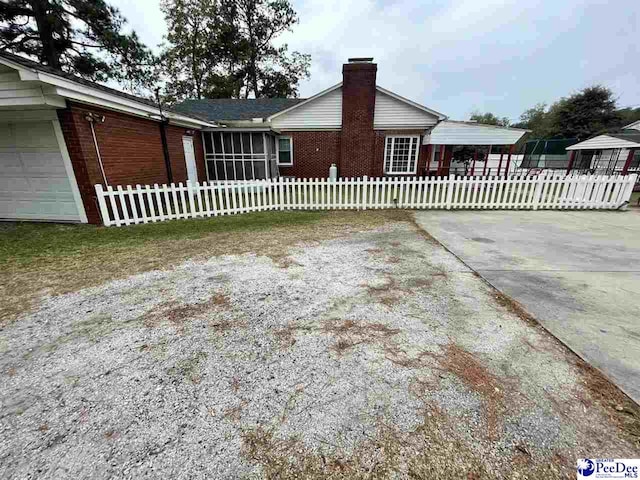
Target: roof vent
(361, 60)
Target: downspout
(163, 139)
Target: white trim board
(55, 87)
(57, 129)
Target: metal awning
(451, 132)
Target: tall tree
(201, 55)
(270, 70)
(224, 48)
(584, 113)
(489, 119)
(536, 120)
(83, 37)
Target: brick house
(61, 135)
(357, 125)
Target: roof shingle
(235, 109)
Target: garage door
(34, 184)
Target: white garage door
(34, 184)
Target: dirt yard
(351, 345)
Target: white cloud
(459, 56)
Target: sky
(462, 56)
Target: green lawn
(24, 242)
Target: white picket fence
(132, 205)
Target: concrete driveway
(577, 272)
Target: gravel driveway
(374, 355)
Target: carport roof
(609, 141)
(451, 132)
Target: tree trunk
(44, 23)
(194, 68)
(253, 59)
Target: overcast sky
(461, 56)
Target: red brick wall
(313, 153)
(130, 147)
(358, 104)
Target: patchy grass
(46, 259)
(30, 242)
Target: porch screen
(236, 155)
(401, 154)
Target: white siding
(457, 133)
(603, 142)
(15, 92)
(322, 112)
(391, 112)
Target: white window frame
(392, 138)
(290, 138)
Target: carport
(471, 148)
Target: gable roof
(218, 109)
(633, 126)
(67, 81)
(609, 141)
(378, 88)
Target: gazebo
(607, 154)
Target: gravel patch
(351, 357)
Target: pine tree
(83, 37)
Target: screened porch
(241, 154)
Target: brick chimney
(358, 103)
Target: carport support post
(486, 161)
(500, 162)
(440, 160)
(627, 164)
(475, 158)
(506, 170)
(572, 157)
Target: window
(237, 155)
(401, 154)
(285, 151)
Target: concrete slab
(578, 273)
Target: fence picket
(126, 206)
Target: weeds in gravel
(189, 368)
(349, 333)
(425, 452)
(178, 315)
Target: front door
(190, 159)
